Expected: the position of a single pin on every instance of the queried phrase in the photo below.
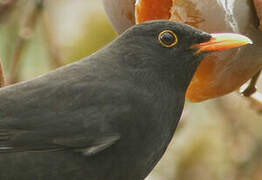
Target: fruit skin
(223, 72)
(121, 13)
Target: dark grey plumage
(109, 116)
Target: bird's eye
(167, 38)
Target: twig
(251, 88)
(20, 44)
(2, 77)
(6, 7)
(256, 101)
(53, 51)
(32, 12)
(253, 95)
(258, 6)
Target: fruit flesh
(121, 13)
(223, 72)
(151, 10)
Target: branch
(32, 13)
(2, 78)
(6, 7)
(52, 48)
(256, 101)
(253, 95)
(258, 6)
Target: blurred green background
(218, 139)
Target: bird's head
(171, 47)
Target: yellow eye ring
(167, 38)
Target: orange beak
(222, 41)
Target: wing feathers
(19, 141)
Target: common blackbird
(109, 116)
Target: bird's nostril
(204, 37)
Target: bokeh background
(219, 139)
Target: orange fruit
(222, 72)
